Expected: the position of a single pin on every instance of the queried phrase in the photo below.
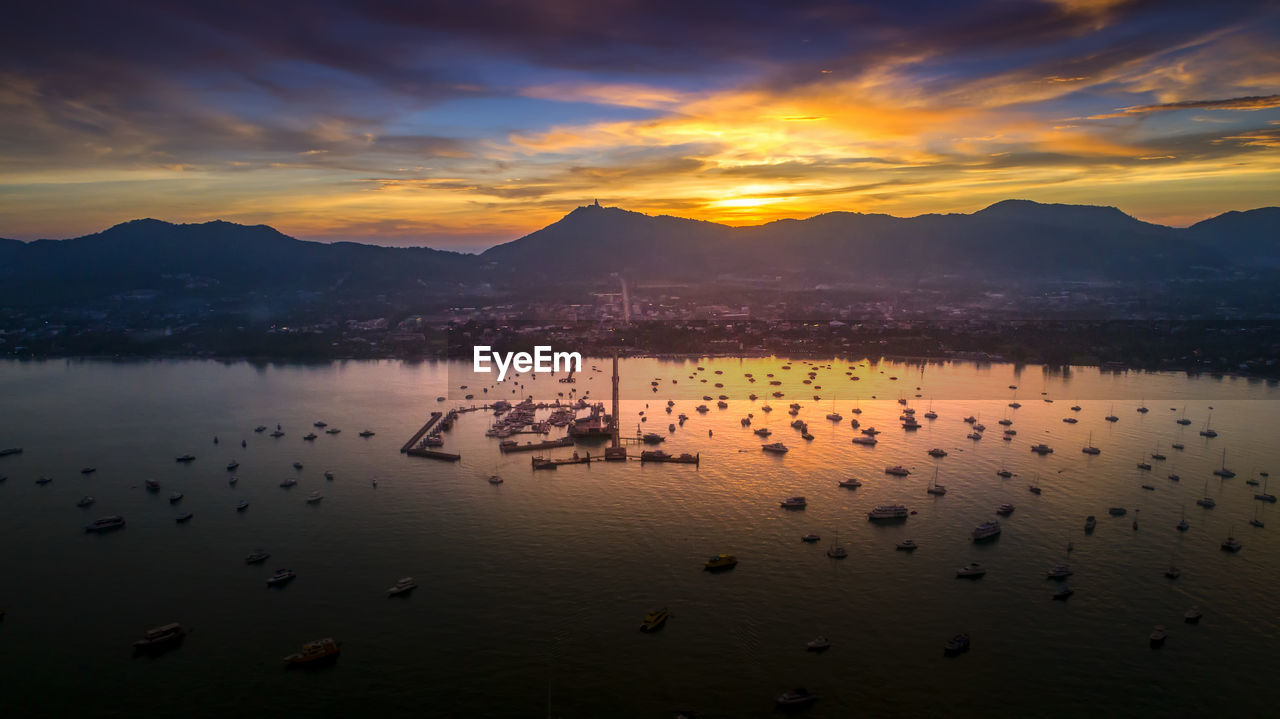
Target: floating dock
(433, 454)
(435, 417)
(548, 463)
(510, 446)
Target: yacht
(1003, 473)
(1192, 616)
(1183, 525)
(367, 433)
(850, 483)
(1231, 544)
(185, 516)
(310, 436)
(970, 419)
(260, 428)
(288, 483)
(835, 417)
(798, 697)
(910, 424)
(175, 497)
(775, 447)
(836, 551)
(907, 545)
(1005, 509)
(1207, 431)
(653, 621)
(85, 501)
(720, 561)
(105, 524)
(403, 586)
(1144, 465)
(1089, 523)
(1089, 448)
(1158, 635)
(1263, 496)
(975, 436)
(314, 498)
(793, 503)
(810, 538)
(897, 471)
(1112, 417)
(152, 485)
(161, 638)
(233, 466)
(868, 441)
(1062, 571)
(1223, 471)
(1156, 455)
(321, 651)
(256, 557)
(653, 438)
(278, 433)
(332, 430)
(887, 512)
(243, 505)
(1178, 445)
(972, 571)
(935, 488)
(956, 645)
(986, 530)
(186, 458)
(1042, 449)
(1063, 592)
(937, 452)
(281, 577)
(320, 425)
(870, 431)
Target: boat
(1003, 473)
(86, 501)
(818, 644)
(897, 471)
(775, 447)
(332, 430)
(175, 497)
(888, 512)
(975, 436)
(1263, 496)
(314, 498)
(1117, 511)
(1192, 615)
(1206, 501)
(1062, 571)
(793, 503)
(1089, 523)
(653, 621)
(972, 571)
(1089, 448)
(9, 451)
(1070, 420)
(152, 485)
(763, 432)
(1158, 635)
(1156, 455)
(297, 465)
(1178, 445)
(850, 483)
(288, 483)
(277, 434)
(184, 517)
(310, 436)
(868, 441)
(402, 586)
(937, 452)
(1042, 449)
(321, 425)
(88, 470)
(956, 645)
(161, 638)
(796, 698)
(187, 458)
(1112, 417)
(935, 488)
(281, 577)
(1173, 572)
(1063, 592)
(907, 545)
(260, 428)
(1207, 431)
(1223, 471)
(257, 556)
(321, 651)
(986, 530)
(367, 433)
(653, 438)
(243, 505)
(1033, 489)
(810, 538)
(1149, 488)
(837, 551)
(1231, 544)
(233, 466)
(1005, 509)
(720, 561)
(105, 524)
(1143, 465)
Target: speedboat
(810, 538)
(281, 577)
(1062, 571)
(184, 517)
(403, 586)
(85, 501)
(850, 483)
(314, 498)
(957, 644)
(256, 557)
(907, 545)
(105, 524)
(367, 433)
(233, 466)
(653, 621)
(243, 505)
(986, 530)
(793, 503)
(798, 697)
(818, 644)
(972, 571)
(321, 651)
(721, 561)
(1063, 592)
(175, 497)
(1005, 509)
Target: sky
(459, 125)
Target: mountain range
(1010, 240)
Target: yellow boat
(653, 621)
(313, 653)
(721, 561)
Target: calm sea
(532, 591)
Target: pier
(433, 454)
(435, 417)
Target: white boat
(403, 586)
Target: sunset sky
(462, 124)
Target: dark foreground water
(532, 591)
